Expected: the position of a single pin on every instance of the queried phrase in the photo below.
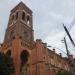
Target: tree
(6, 64)
(63, 72)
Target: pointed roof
(21, 4)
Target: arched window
(28, 20)
(11, 34)
(8, 53)
(23, 16)
(16, 15)
(12, 18)
(24, 57)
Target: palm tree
(6, 64)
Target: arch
(24, 56)
(23, 16)
(11, 34)
(16, 15)
(12, 18)
(28, 19)
(8, 53)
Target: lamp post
(64, 41)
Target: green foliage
(63, 72)
(6, 64)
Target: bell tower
(19, 36)
(20, 24)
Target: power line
(70, 26)
(68, 30)
(58, 49)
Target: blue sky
(48, 16)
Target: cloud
(56, 16)
(61, 17)
(55, 42)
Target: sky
(48, 17)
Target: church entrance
(24, 56)
(24, 59)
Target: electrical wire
(58, 49)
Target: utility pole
(69, 35)
(70, 58)
(66, 47)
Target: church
(30, 57)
